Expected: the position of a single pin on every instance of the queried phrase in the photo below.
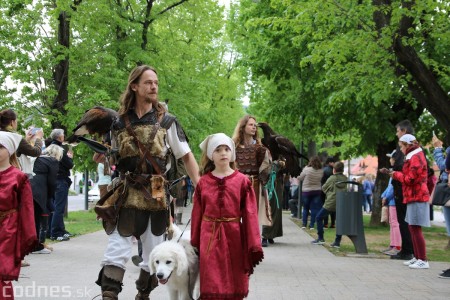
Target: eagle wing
(281, 147)
(286, 145)
(97, 120)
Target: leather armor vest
(249, 159)
(136, 210)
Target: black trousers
(407, 246)
(41, 223)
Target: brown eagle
(95, 121)
(282, 148)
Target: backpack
(177, 169)
(175, 174)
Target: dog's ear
(182, 262)
(151, 263)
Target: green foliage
(185, 43)
(326, 62)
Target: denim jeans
(293, 207)
(311, 203)
(367, 205)
(321, 215)
(60, 202)
(446, 211)
(332, 215)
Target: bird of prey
(281, 148)
(95, 121)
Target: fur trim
(137, 201)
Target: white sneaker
(410, 262)
(43, 251)
(420, 264)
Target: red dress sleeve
(26, 226)
(196, 216)
(251, 234)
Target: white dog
(176, 266)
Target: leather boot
(178, 218)
(108, 295)
(110, 279)
(145, 284)
(448, 245)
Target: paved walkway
(292, 269)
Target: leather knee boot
(110, 279)
(145, 284)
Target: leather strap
(144, 152)
(154, 131)
(3, 214)
(139, 181)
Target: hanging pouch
(108, 207)
(158, 190)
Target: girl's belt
(3, 214)
(220, 221)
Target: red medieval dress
(225, 230)
(17, 229)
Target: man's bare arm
(191, 167)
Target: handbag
(385, 214)
(441, 194)
(175, 174)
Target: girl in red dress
(17, 230)
(224, 226)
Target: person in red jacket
(416, 196)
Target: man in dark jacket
(63, 182)
(406, 253)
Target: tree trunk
(312, 149)
(424, 86)
(61, 70)
(435, 99)
(381, 182)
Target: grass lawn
(81, 222)
(377, 239)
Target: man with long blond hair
(144, 134)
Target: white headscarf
(10, 141)
(215, 140)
